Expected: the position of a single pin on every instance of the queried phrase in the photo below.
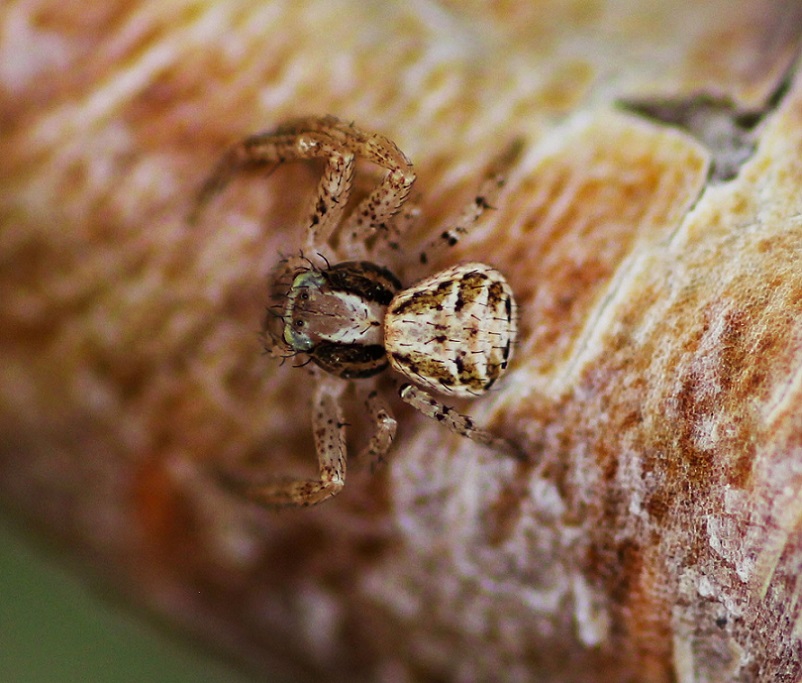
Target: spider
(349, 318)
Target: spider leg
(485, 198)
(329, 434)
(376, 211)
(328, 206)
(383, 437)
(274, 346)
(455, 421)
(378, 208)
(273, 148)
(340, 143)
(390, 240)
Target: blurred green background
(54, 629)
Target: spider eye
(296, 334)
(304, 296)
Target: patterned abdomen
(453, 332)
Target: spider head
(336, 316)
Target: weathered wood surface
(651, 234)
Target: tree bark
(651, 234)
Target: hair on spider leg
(300, 365)
(269, 347)
(273, 314)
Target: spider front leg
(493, 181)
(339, 143)
(376, 213)
(329, 434)
(289, 144)
(455, 421)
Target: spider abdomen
(453, 332)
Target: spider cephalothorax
(336, 316)
(451, 332)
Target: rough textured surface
(654, 536)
